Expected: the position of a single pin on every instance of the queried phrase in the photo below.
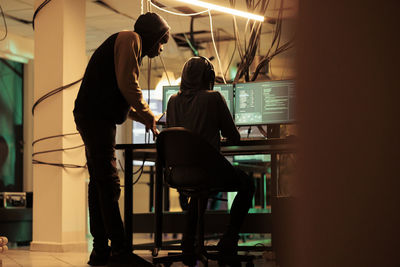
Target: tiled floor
(22, 256)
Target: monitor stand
(273, 131)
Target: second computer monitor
(270, 102)
(226, 91)
(168, 91)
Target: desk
(271, 146)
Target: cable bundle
(63, 165)
(248, 53)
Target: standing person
(200, 109)
(110, 93)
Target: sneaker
(127, 259)
(228, 248)
(99, 257)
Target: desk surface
(246, 146)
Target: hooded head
(154, 31)
(197, 74)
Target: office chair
(190, 164)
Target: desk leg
(274, 175)
(151, 187)
(128, 201)
(274, 187)
(158, 203)
(263, 190)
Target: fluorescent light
(224, 9)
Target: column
(59, 193)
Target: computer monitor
(226, 91)
(139, 134)
(260, 103)
(168, 91)
(138, 129)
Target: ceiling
(103, 19)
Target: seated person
(200, 109)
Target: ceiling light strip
(224, 9)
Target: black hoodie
(110, 85)
(151, 28)
(198, 109)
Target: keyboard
(248, 139)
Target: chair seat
(192, 166)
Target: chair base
(204, 257)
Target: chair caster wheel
(249, 264)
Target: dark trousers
(233, 179)
(104, 185)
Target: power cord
(141, 168)
(5, 24)
(63, 165)
(215, 47)
(55, 150)
(53, 92)
(37, 11)
(104, 4)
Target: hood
(151, 27)
(197, 74)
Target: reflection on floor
(18, 256)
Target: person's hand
(153, 129)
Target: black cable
(230, 61)
(55, 150)
(53, 136)
(62, 165)
(102, 3)
(53, 92)
(141, 167)
(141, 172)
(266, 60)
(147, 134)
(137, 171)
(194, 51)
(250, 52)
(37, 11)
(24, 21)
(137, 179)
(5, 24)
(192, 41)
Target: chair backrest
(190, 162)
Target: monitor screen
(259, 103)
(139, 134)
(226, 91)
(168, 91)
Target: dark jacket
(200, 110)
(110, 87)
